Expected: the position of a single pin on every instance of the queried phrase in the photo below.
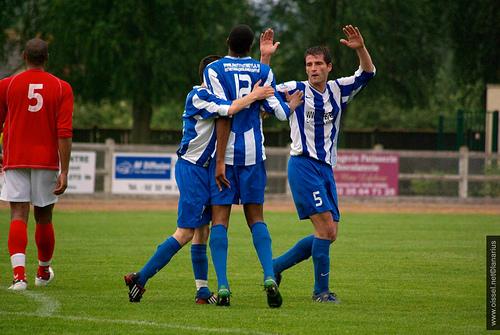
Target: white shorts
(30, 185)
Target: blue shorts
(248, 184)
(194, 201)
(313, 187)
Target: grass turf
(394, 273)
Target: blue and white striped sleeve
(289, 86)
(213, 82)
(275, 104)
(350, 86)
(209, 105)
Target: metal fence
(460, 174)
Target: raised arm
(355, 41)
(267, 46)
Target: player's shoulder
(291, 85)
(4, 82)
(333, 83)
(199, 91)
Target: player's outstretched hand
(220, 176)
(62, 183)
(294, 100)
(262, 92)
(354, 37)
(267, 45)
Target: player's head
(203, 64)
(240, 40)
(36, 52)
(318, 62)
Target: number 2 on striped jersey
(34, 95)
(242, 91)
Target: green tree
(430, 55)
(142, 51)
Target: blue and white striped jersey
(314, 127)
(231, 78)
(198, 135)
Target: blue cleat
(326, 296)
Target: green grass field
(394, 273)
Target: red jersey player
(36, 111)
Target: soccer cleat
(205, 298)
(135, 290)
(327, 296)
(274, 299)
(41, 281)
(278, 278)
(18, 285)
(223, 296)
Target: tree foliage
(144, 51)
(432, 57)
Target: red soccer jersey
(36, 108)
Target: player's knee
(43, 214)
(201, 235)
(183, 235)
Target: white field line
(141, 323)
(47, 306)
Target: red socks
(45, 242)
(18, 239)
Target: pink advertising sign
(366, 173)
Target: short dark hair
(36, 51)
(240, 39)
(319, 50)
(204, 62)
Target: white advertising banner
(139, 173)
(81, 177)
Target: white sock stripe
(200, 283)
(47, 263)
(18, 260)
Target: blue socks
(200, 265)
(262, 244)
(218, 248)
(299, 252)
(321, 261)
(161, 257)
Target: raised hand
(354, 37)
(267, 45)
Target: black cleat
(203, 298)
(223, 297)
(278, 278)
(135, 290)
(274, 299)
